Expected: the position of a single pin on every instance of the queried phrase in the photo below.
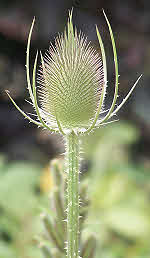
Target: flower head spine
(72, 83)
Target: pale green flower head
(72, 83)
(71, 80)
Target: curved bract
(72, 87)
(72, 83)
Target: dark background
(130, 21)
(117, 157)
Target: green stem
(72, 153)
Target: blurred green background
(116, 163)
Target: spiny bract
(71, 80)
(72, 84)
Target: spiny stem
(72, 153)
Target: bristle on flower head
(72, 84)
(71, 80)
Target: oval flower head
(72, 87)
(72, 83)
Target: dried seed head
(71, 80)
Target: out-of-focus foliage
(118, 188)
(118, 198)
(54, 237)
(119, 213)
(19, 209)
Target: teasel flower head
(72, 83)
